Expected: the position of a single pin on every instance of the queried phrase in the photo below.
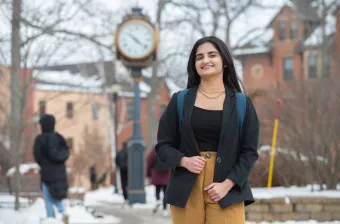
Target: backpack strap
(241, 104)
(180, 105)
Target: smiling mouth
(207, 66)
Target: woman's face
(208, 60)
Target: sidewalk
(134, 215)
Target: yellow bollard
(272, 154)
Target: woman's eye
(199, 58)
(213, 55)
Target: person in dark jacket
(93, 177)
(210, 153)
(122, 164)
(160, 175)
(51, 153)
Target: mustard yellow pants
(200, 209)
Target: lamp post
(136, 148)
(136, 46)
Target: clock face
(136, 39)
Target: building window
(69, 142)
(288, 69)
(282, 30)
(312, 66)
(69, 110)
(95, 111)
(293, 30)
(130, 111)
(42, 107)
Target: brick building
(74, 94)
(289, 48)
(5, 106)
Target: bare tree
(16, 105)
(93, 148)
(309, 128)
(215, 17)
(151, 99)
(48, 34)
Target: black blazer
(235, 157)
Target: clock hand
(136, 40)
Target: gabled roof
(256, 43)
(301, 8)
(85, 78)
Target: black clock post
(129, 57)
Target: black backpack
(160, 166)
(57, 149)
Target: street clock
(136, 39)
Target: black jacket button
(218, 159)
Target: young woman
(209, 156)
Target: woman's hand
(217, 191)
(194, 164)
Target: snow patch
(248, 51)
(315, 39)
(24, 168)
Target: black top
(206, 125)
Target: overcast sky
(180, 38)
(258, 18)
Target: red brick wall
(126, 132)
(268, 79)
(28, 134)
(30, 131)
(273, 64)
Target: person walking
(122, 164)
(51, 152)
(160, 175)
(208, 136)
(93, 177)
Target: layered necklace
(219, 93)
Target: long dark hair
(230, 78)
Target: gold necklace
(211, 93)
(209, 97)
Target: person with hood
(160, 176)
(122, 163)
(51, 152)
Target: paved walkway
(134, 215)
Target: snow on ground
(24, 168)
(106, 197)
(35, 213)
(296, 222)
(102, 196)
(263, 193)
